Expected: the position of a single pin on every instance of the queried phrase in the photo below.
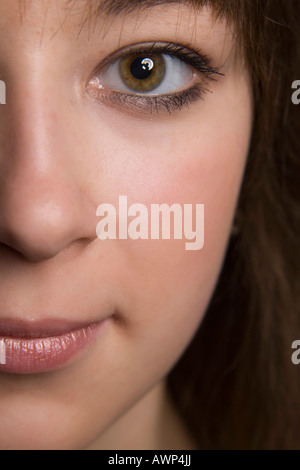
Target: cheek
(183, 161)
(169, 286)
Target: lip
(42, 346)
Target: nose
(44, 207)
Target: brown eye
(142, 73)
(147, 72)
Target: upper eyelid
(141, 47)
(160, 47)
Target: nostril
(9, 251)
(14, 250)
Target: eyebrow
(115, 7)
(95, 9)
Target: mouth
(43, 346)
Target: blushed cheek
(180, 282)
(171, 283)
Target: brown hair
(236, 385)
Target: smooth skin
(63, 152)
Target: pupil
(141, 68)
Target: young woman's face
(74, 135)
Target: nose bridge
(33, 125)
(41, 208)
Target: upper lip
(19, 328)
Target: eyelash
(171, 102)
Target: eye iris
(142, 73)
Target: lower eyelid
(147, 104)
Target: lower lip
(29, 355)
